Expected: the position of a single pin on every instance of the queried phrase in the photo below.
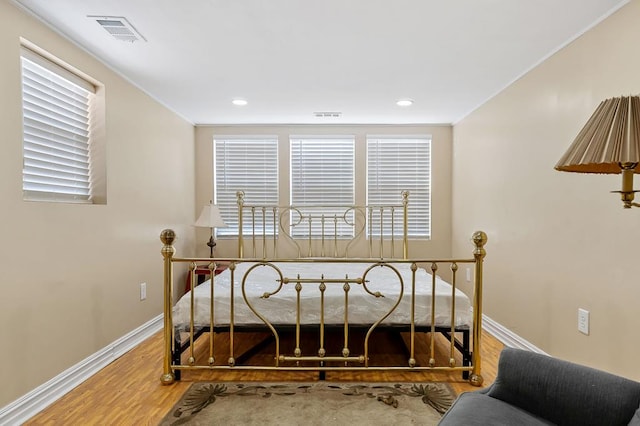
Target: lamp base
(211, 243)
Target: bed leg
(466, 355)
(175, 357)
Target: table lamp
(210, 217)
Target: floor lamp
(609, 143)
(211, 218)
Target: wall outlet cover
(583, 321)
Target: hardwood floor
(129, 392)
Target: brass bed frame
(270, 225)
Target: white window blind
(249, 164)
(56, 127)
(322, 174)
(396, 164)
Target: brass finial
(240, 198)
(476, 380)
(479, 238)
(167, 236)
(405, 197)
(167, 379)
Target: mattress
(393, 282)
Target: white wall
(71, 273)
(557, 241)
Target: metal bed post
(240, 201)
(405, 227)
(479, 240)
(167, 237)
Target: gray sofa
(534, 389)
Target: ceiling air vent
(327, 114)
(119, 28)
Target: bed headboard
(306, 231)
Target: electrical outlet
(468, 275)
(583, 321)
(143, 291)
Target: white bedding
(364, 309)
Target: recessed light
(404, 102)
(239, 102)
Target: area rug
(311, 403)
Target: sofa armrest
(563, 392)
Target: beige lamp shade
(210, 217)
(609, 142)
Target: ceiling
(291, 58)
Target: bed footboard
(319, 358)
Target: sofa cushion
(478, 409)
(635, 421)
(562, 392)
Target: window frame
(420, 194)
(304, 194)
(58, 114)
(228, 207)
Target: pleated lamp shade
(609, 142)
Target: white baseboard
(46, 394)
(508, 337)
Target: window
(56, 105)
(395, 164)
(249, 164)
(322, 173)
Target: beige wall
(71, 273)
(557, 241)
(440, 243)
